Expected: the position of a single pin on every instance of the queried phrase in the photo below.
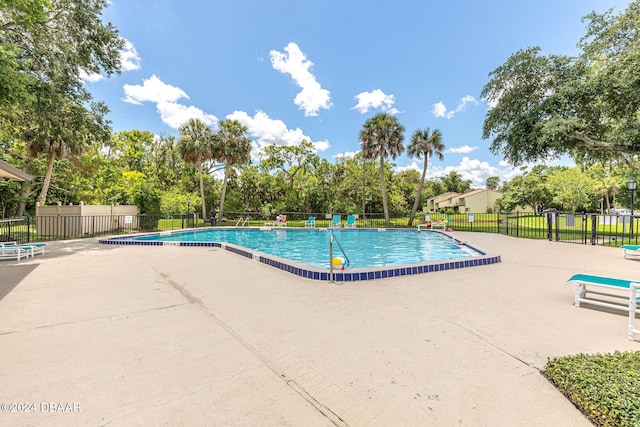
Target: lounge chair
(336, 222)
(32, 249)
(311, 222)
(443, 223)
(281, 220)
(631, 251)
(617, 294)
(351, 222)
(14, 252)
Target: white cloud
(375, 99)
(321, 145)
(175, 115)
(465, 149)
(129, 60)
(268, 131)
(346, 155)
(129, 57)
(469, 169)
(165, 97)
(90, 77)
(295, 63)
(440, 110)
(476, 170)
(413, 166)
(152, 90)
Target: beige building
(474, 201)
(440, 202)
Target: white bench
(15, 252)
(631, 251)
(617, 294)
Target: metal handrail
(16, 219)
(346, 258)
(243, 220)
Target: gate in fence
(581, 228)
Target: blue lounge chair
(336, 222)
(311, 222)
(618, 294)
(351, 222)
(31, 249)
(631, 251)
(14, 252)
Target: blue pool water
(364, 248)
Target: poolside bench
(617, 294)
(631, 251)
(15, 252)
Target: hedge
(605, 387)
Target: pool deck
(143, 335)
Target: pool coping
(315, 273)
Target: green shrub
(605, 387)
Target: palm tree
(380, 137)
(608, 187)
(60, 131)
(232, 147)
(194, 146)
(424, 144)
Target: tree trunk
(204, 209)
(42, 198)
(419, 195)
(25, 189)
(224, 187)
(384, 194)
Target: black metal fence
(582, 228)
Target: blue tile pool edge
(320, 274)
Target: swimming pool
(372, 253)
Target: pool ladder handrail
(346, 258)
(242, 220)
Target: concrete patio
(96, 334)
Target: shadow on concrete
(60, 248)
(12, 276)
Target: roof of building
(11, 173)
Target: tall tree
(195, 147)
(528, 190)
(293, 163)
(424, 143)
(453, 182)
(66, 128)
(587, 105)
(493, 183)
(232, 147)
(572, 189)
(292, 160)
(45, 47)
(380, 137)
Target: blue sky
(290, 70)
